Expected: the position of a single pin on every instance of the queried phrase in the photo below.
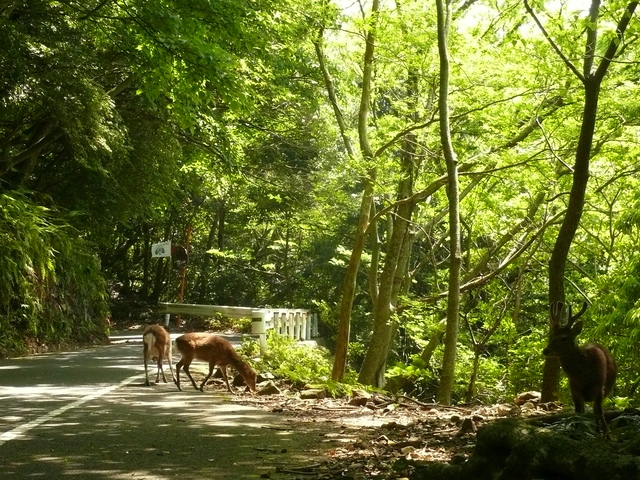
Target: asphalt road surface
(88, 415)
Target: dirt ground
(383, 438)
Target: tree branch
(553, 44)
(592, 38)
(615, 42)
(506, 261)
(331, 92)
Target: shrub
(286, 358)
(51, 288)
(301, 364)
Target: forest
(426, 176)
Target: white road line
(22, 429)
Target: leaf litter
(383, 437)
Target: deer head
(563, 337)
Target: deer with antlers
(591, 369)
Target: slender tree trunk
(203, 282)
(349, 286)
(395, 262)
(331, 92)
(146, 261)
(560, 253)
(216, 236)
(558, 261)
(447, 378)
(371, 372)
(434, 341)
(474, 375)
(591, 81)
(376, 246)
(220, 220)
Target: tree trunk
(447, 378)
(474, 375)
(434, 341)
(376, 246)
(203, 283)
(395, 262)
(146, 261)
(331, 92)
(384, 329)
(592, 82)
(349, 286)
(558, 261)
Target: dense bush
(288, 359)
(51, 289)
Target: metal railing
(296, 323)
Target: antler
(556, 310)
(577, 315)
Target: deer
(591, 369)
(157, 343)
(215, 350)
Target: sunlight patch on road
(44, 390)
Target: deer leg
(182, 363)
(211, 366)
(146, 360)
(170, 361)
(178, 367)
(186, 370)
(146, 373)
(223, 370)
(160, 370)
(578, 401)
(599, 414)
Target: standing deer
(216, 351)
(591, 369)
(157, 343)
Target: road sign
(162, 249)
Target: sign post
(162, 250)
(180, 259)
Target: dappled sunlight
(218, 434)
(193, 409)
(9, 418)
(89, 415)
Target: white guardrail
(296, 323)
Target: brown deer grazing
(157, 343)
(216, 351)
(591, 369)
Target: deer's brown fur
(215, 350)
(591, 369)
(156, 343)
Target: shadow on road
(134, 431)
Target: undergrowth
(301, 364)
(51, 288)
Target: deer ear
(577, 327)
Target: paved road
(87, 414)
